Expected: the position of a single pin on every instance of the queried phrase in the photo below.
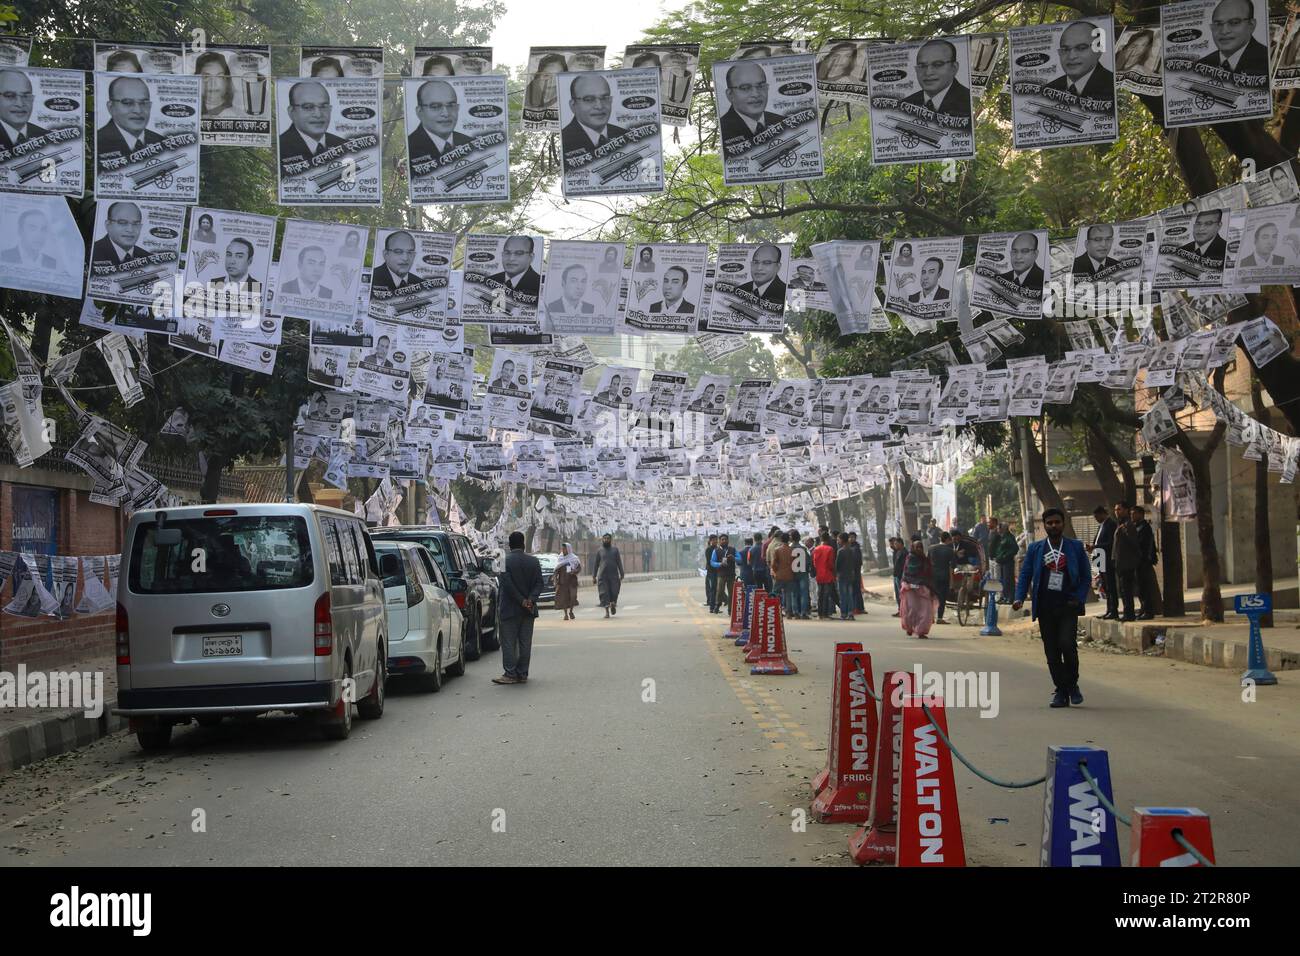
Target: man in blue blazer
(1056, 575)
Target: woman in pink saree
(916, 593)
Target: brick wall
(84, 529)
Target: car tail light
(220, 513)
(324, 633)
(123, 637)
(460, 599)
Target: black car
(473, 584)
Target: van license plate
(225, 645)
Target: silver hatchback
(242, 609)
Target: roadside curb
(661, 575)
(53, 733)
(1186, 644)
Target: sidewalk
(29, 734)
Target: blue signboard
(1255, 606)
(35, 524)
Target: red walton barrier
(819, 781)
(755, 602)
(772, 657)
(847, 797)
(1153, 842)
(737, 611)
(929, 826)
(877, 841)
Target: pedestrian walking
(942, 559)
(1127, 553)
(916, 597)
(710, 575)
(823, 558)
(521, 585)
(845, 563)
(1148, 556)
(1055, 576)
(607, 575)
(567, 570)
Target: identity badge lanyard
(1055, 578)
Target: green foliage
(753, 361)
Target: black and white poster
(1191, 249)
(768, 119)
(408, 284)
(1063, 84)
(509, 391)
(1011, 271)
(320, 270)
(134, 257)
(919, 277)
(615, 390)
(541, 110)
(451, 61)
(147, 140)
(665, 286)
(1269, 251)
(1215, 61)
(1263, 340)
(610, 142)
(985, 56)
(451, 380)
(921, 108)
(384, 371)
(555, 393)
(15, 51)
(1107, 253)
(457, 139)
(503, 280)
(677, 63)
(329, 62)
(848, 268)
(139, 56)
(749, 289)
(236, 93)
(1285, 51)
(329, 141)
(1274, 185)
(807, 289)
(581, 290)
(743, 416)
(41, 249)
(842, 71)
(42, 141)
(1138, 63)
(227, 263)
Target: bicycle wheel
(963, 603)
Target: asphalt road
(590, 764)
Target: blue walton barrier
(1078, 828)
(1255, 606)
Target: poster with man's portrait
(1191, 250)
(541, 110)
(581, 288)
(1269, 250)
(677, 63)
(610, 142)
(134, 257)
(41, 249)
(1011, 272)
(457, 139)
(42, 132)
(408, 284)
(750, 288)
(15, 51)
(921, 107)
(384, 371)
(147, 137)
(328, 143)
(919, 277)
(319, 273)
(236, 93)
(1216, 65)
(503, 279)
(768, 119)
(227, 263)
(665, 287)
(1063, 84)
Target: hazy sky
(572, 23)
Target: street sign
(1255, 606)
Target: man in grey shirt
(521, 585)
(941, 560)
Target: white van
(203, 632)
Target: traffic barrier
(819, 781)
(1078, 827)
(929, 825)
(1171, 836)
(737, 624)
(877, 841)
(757, 626)
(752, 596)
(847, 796)
(772, 657)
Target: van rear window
(231, 553)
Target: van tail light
(324, 633)
(123, 636)
(460, 599)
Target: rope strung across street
(1182, 842)
(1110, 807)
(925, 709)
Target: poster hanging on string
(665, 284)
(134, 256)
(1011, 270)
(147, 140)
(47, 113)
(503, 281)
(749, 289)
(41, 249)
(457, 139)
(610, 142)
(328, 146)
(581, 291)
(236, 93)
(768, 119)
(408, 285)
(921, 107)
(329, 62)
(1063, 84)
(1215, 62)
(541, 108)
(677, 64)
(227, 263)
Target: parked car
(243, 609)
(549, 562)
(470, 579)
(426, 633)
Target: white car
(426, 635)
